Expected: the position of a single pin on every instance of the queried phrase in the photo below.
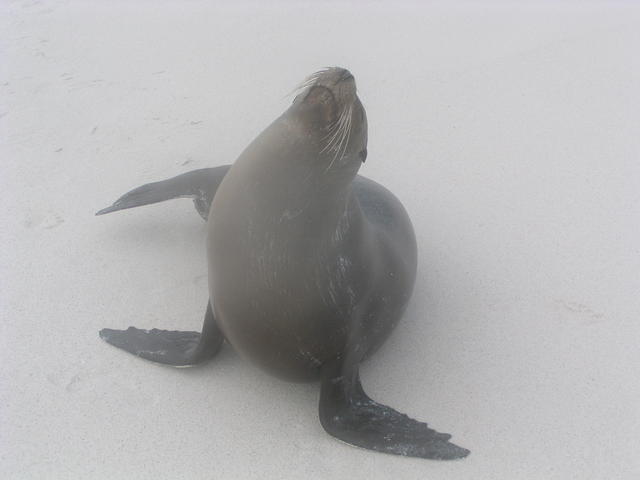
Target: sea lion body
(310, 266)
(289, 281)
(298, 271)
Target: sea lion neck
(286, 161)
(280, 184)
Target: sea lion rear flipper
(179, 349)
(200, 185)
(347, 413)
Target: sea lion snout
(345, 76)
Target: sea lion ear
(321, 101)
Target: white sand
(511, 133)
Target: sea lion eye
(363, 155)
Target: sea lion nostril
(346, 75)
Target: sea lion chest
(285, 272)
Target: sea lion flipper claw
(178, 349)
(347, 413)
(200, 185)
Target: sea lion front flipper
(200, 185)
(347, 413)
(179, 349)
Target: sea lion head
(333, 119)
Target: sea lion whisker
(335, 131)
(339, 129)
(343, 131)
(336, 123)
(346, 133)
(346, 144)
(332, 160)
(337, 138)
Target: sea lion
(310, 265)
